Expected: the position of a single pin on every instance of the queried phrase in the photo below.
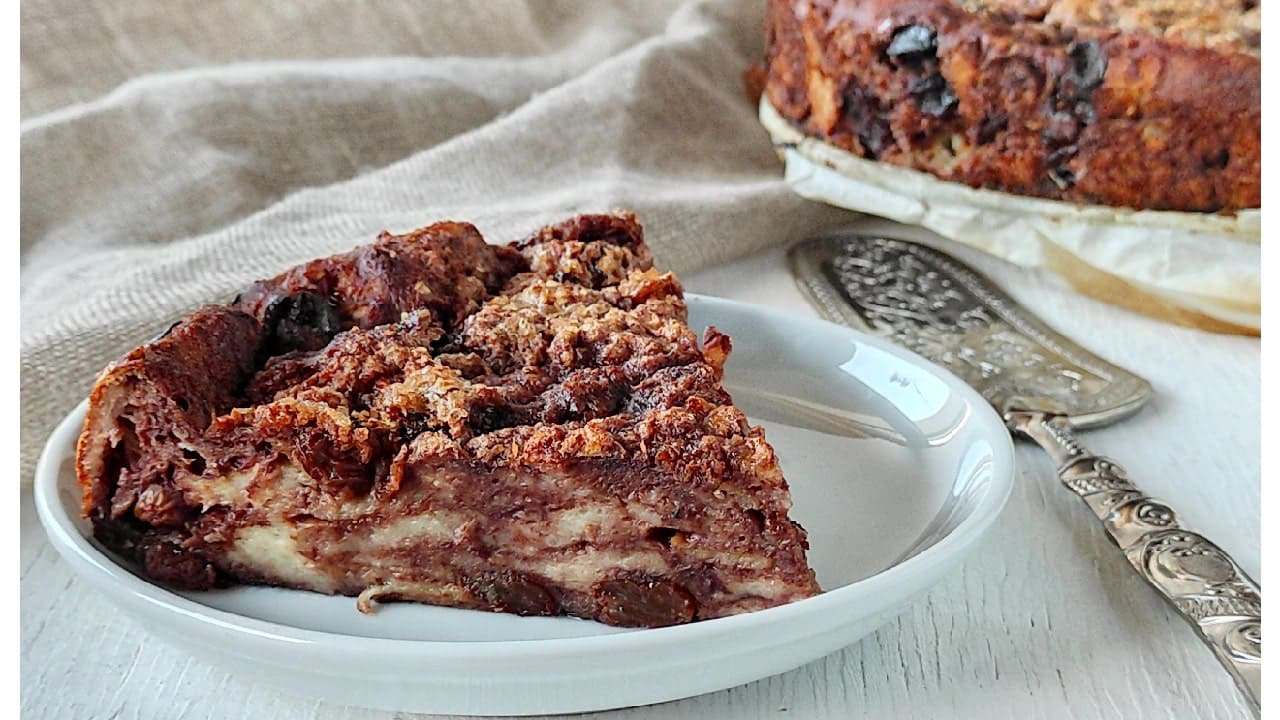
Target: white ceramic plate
(896, 469)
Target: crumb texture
(531, 428)
(1147, 104)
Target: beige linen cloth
(173, 152)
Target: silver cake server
(1045, 387)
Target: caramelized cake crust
(1148, 104)
(530, 428)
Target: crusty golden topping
(446, 268)
(1199, 23)
(1146, 104)
(531, 429)
(584, 356)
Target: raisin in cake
(1152, 104)
(530, 428)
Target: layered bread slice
(530, 428)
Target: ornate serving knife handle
(1045, 385)
(1198, 578)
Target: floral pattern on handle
(1046, 386)
(1196, 576)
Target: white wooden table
(1045, 621)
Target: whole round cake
(1147, 104)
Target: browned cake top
(1152, 104)
(1215, 24)
(433, 346)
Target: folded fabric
(180, 187)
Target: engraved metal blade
(942, 309)
(1044, 386)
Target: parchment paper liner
(1197, 269)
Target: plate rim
(84, 558)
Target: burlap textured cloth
(173, 152)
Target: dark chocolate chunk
(450, 342)
(196, 463)
(702, 581)
(1058, 172)
(913, 42)
(301, 321)
(991, 126)
(170, 563)
(644, 602)
(1088, 67)
(1084, 112)
(1062, 177)
(513, 592)
(862, 117)
(491, 417)
(1062, 129)
(933, 95)
(875, 137)
(414, 425)
(1217, 160)
(1061, 155)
